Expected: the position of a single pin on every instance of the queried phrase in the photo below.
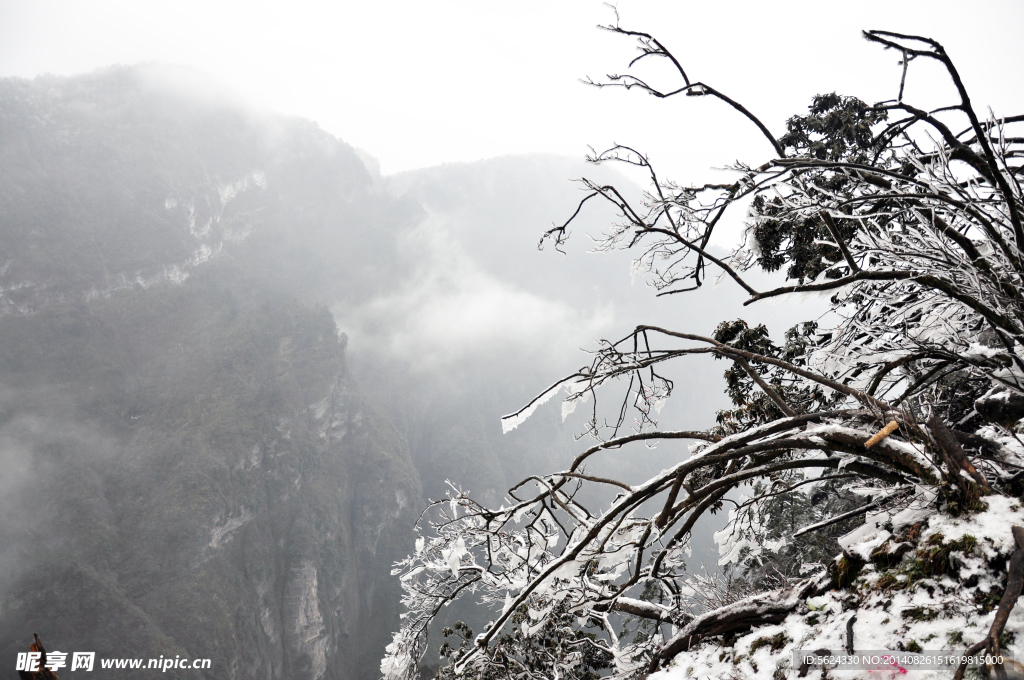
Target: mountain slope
(191, 468)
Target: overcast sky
(421, 83)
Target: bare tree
(911, 220)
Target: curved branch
(834, 230)
(988, 167)
(732, 352)
(897, 363)
(862, 275)
(690, 89)
(852, 513)
(770, 607)
(772, 394)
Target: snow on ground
(904, 607)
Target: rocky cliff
(189, 467)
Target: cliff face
(190, 469)
(187, 466)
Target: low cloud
(451, 310)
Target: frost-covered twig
(915, 234)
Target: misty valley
(235, 362)
(268, 412)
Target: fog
(418, 85)
(270, 276)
